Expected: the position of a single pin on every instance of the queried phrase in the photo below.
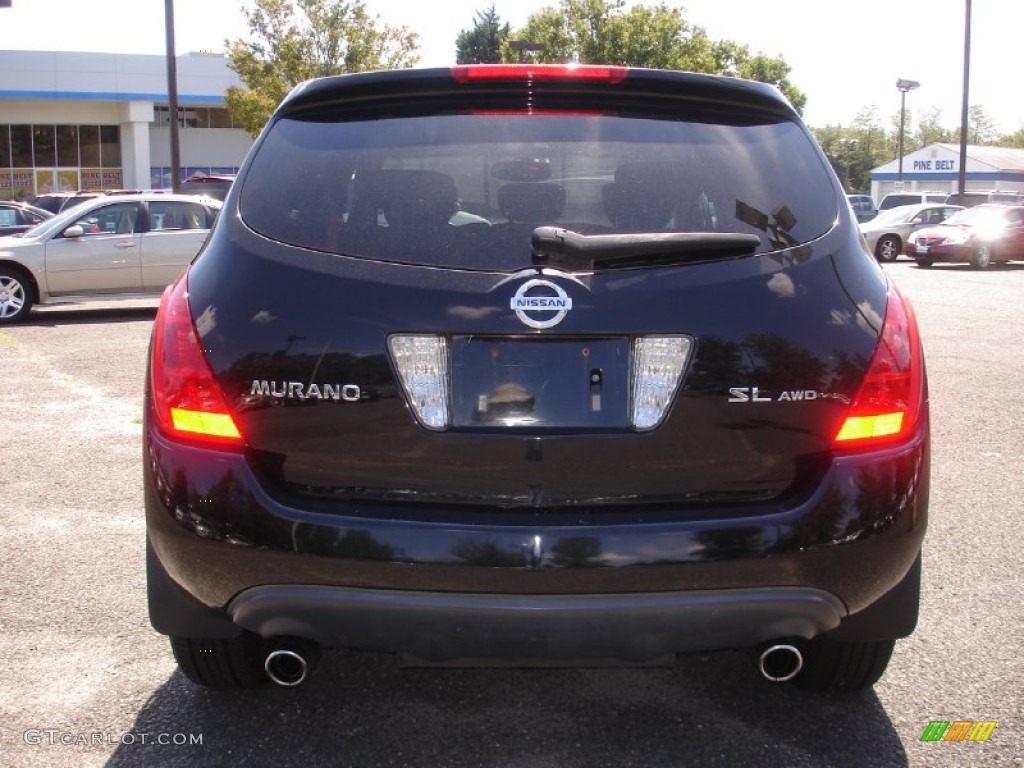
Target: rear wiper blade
(564, 247)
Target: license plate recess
(540, 384)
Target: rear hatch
(585, 288)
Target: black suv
(535, 364)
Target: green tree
(911, 142)
(876, 147)
(842, 147)
(659, 37)
(774, 70)
(981, 129)
(1015, 139)
(931, 131)
(482, 44)
(854, 150)
(293, 42)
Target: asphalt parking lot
(86, 682)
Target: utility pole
(965, 111)
(172, 96)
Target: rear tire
(983, 256)
(222, 663)
(835, 666)
(888, 248)
(15, 294)
(924, 262)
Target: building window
(160, 176)
(193, 117)
(220, 118)
(60, 146)
(67, 146)
(5, 146)
(110, 146)
(44, 146)
(21, 146)
(35, 158)
(89, 140)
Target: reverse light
(888, 403)
(535, 72)
(422, 365)
(658, 363)
(187, 401)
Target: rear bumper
(440, 627)
(450, 583)
(942, 252)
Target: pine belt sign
(938, 164)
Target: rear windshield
(982, 215)
(896, 201)
(467, 190)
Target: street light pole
(521, 46)
(903, 86)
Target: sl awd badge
(541, 304)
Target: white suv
(896, 199)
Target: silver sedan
(16, 217)
(116, 246)
(887, 233)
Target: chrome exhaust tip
(286, 667)
(780, 663)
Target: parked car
(980, 236)
(971, 199)
(55, 202)
(16, 217)
(887, 232)
(122, 246)
(215, 185)
(896, 199)
(863, 207)
(116, 192)
(675, 408)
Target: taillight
(888, 404)
(187, 401)
(535, 72)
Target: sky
(846, 56)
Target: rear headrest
(651, 173)
(531, 201)
(643, 195)
(415, 197)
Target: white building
(101, 121)
(936, 168)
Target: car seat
(643, 196)
(526, 206)
(416, 202)
(532, 203)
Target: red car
(979, 236)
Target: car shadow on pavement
(364, 710)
